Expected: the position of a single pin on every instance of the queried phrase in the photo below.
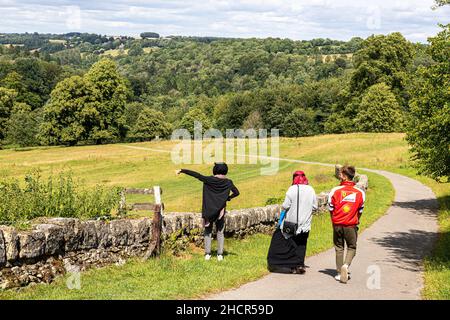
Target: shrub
(23, 126)
(338, 123)
(274, 200)
(135, 50)
(57, 196)
(7, 98)
(149, 125)
(300, 123)
(195, 114)
(379, 111)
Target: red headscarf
(299, 178)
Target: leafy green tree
(428, 130)
(341, 62)
(149, 125)
(379, 111)
(63, 118)
(132, 112)
(274, 104)
(39, 78)
(23, 126)
(440, 3)
(327, 70)
(87, 109)
(383, 59)
(69, 57)
(233, 110)
(135, 50)
(251, 61)
(7, 98)
(14, 81)
(343, 109)
(253, 121)
(146, 35)
(195, 114)
(300, 123)
(108, 95)
(338, 123)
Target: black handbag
(291, 227)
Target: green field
(118, 52)
(138, 167)
(120, 165)
(142, 166)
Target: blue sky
(295, 19)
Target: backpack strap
(298, 201)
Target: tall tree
(383, 59)
(108, 97)
(64, 114)
(149, 125)
(7, 98)
(89, 108)
(379, 111)
(195, 114)
(300, 123)
(23, 125)
(429, 126)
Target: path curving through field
(389, 260)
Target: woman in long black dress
(287, 251)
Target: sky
(294, 19)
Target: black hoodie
(216, 193)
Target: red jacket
(346, 204)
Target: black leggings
(220, 226)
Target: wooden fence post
(154, 247)
(122, 204)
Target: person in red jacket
(346, 204)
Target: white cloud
(297, 19)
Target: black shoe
(299, 270)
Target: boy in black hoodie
(216, 193)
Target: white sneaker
(338, 277)
(207, 257)
(344, 274)
(220, 257)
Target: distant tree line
(81, 95)
(145, 35)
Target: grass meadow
(147, 164)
